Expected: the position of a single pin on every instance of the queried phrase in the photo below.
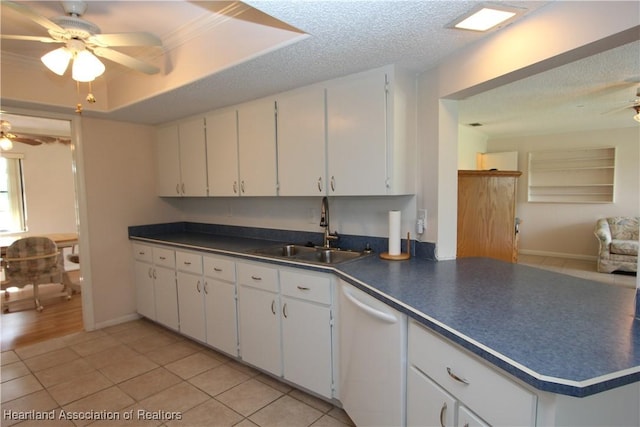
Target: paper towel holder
(401, 256)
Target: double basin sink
(311, 254)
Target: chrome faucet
(324, 222)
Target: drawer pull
(443, 410)
(256, 278)
(163, 258)
(187, 263)
(217, 269)
(141, 253)
(457, 378)
(303, 288)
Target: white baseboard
(117, 321)
(557, 254)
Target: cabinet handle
(284, 310)
(333, 183)
(235, 187)
(141, 253)
(198, 286)
(150, 272)
(273, 307)
(242, 186)
(256, 278)
(187, 263)
(162, 258)
(303, 288)
(183, 192)
(217, 269)
(320, 184)
(206, 288)
(443, 410)
(154, 273)
(455, 377)
(178, 188)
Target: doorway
(45, 190)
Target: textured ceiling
(347, 37)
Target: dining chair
(32, 261)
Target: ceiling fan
(7, 138)
(82, 37)
(633, 104)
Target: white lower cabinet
(285, 324)
(191, 295)
(156, 295)
(259, 317)
(448, 386)
(220, 303)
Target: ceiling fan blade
(30, 38)
(126, 60)
(38, 19)
(28, 141)
(125, 39)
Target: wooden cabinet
(222, 153)
(257, 148)
(370, 136)
(444, 382)
(487, 214)
(301, 142)
(180, 159)
(220, 303)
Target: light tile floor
(581, 268)
(142, 369)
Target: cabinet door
(259, 321)
(427, 403)
(357, 135)
(193, 159)
(167, 161)
(191, 305)
(221, 315)
(257, 148)
(222, 153)
(166, 297)
(145, 297)
(466, 418)
(306, 345)
(301, 143)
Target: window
(12, 203)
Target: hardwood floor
(23, 325)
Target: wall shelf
(572, 176)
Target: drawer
(142, 252)
(164, 257)
(258, 276)
(306, 286)
(220, 268)
(490, 394)
(189, 262)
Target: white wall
(49, 188)
(470, 143)
(567, 228)
(118, 163)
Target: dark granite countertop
(557, 333)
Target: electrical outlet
(421, 221)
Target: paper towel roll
(394, 232)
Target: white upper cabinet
(222, 153)
(371, 134)
(301, 142)
(257, 148)
(181, 160)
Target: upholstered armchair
(618, 237)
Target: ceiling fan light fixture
(57, 60)
(637, 116)
(86, 67)
(5, 143)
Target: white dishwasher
(372, 348)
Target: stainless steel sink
(315, 255)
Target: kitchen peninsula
(572, 346)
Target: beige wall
(567, 228)
(118, 164)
